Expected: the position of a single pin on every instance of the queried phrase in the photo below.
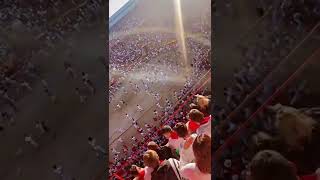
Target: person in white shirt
(139, 108)
(205, 128)
(174, 140)
(186, 152)
(201, 169)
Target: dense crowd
(132, 51)
(176, 142)
(18, 72)
(49, 22)
(277, 141)
(129, 49)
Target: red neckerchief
(174, 135)
(141, 174)
(193, 126)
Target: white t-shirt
(186, 155)
(205, 128)
(175, 143)
(191, 172)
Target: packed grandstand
(268, 112)
(146, 51)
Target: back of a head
(166, 129)
(181, 129)
(152, 146)
(294, 126)
(202, 153)
(151, 159)
(271, 165)
(203, 101)
(261, 141)
(195, 115)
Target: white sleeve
(186, 171)
(148, 171)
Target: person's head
(202, 101)
(195, 115)
(134, 170)
(54, 166)
(181, 129)
(295, 128)
(166, 131)
(268, 164)
(202, 153)
(151, 159)
(260, 141)
(152, 146)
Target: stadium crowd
(180, 148)
(18, 72)
(262, 138)
(134, 52)
(49, 22)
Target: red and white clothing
(192, 172)
(175, 141)
(204, 127)
(186, 154)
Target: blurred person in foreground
(201, 169)
(165, 170)
(271, 165)
(300, 135)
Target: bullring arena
(152, 78)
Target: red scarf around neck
(193, 126)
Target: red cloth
(141, 174)
(309, 177)
(174, 135)
(118, 177)
(193, 126)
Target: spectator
(186, 152)
(201, 169)
(173, 138)
(167, 170)
(163, 152)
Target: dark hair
(181, 129)
(269, 164)
(195, 115)
(166, 129)
(202, 153)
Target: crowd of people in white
(155, 56)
